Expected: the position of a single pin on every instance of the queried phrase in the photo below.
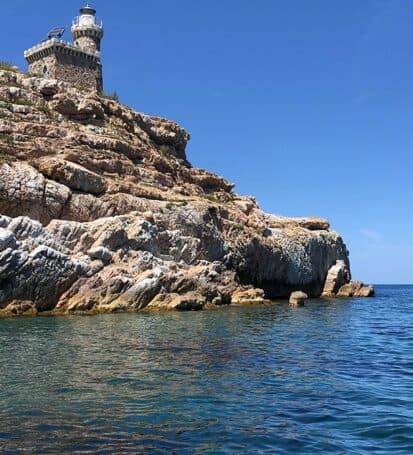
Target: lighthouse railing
(76, 23)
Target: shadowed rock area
(100, 211)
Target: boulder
(138, 296)
(365, 291)
(19, 308)
(298, 298)
(90, 108)
(164, 132)
(248, 296)
(81, 108)
(189, 301)
(48, 87)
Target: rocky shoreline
(100, 211)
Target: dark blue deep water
(332, 377)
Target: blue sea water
(333, 377)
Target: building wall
(76, 70)
(45, 67)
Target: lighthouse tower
(87, 34)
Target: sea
(332, 377)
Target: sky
(307, 105)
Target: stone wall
(45, 67)
(88, 43)
(80, 71)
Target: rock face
(100, 211)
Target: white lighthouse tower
(86, 32)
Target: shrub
(46, 110)
(210, 197)
(23, 102)
(6, 66)
(7, 138)
(113, 96)
(28, 75)
(5, 158)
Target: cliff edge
(101, 211)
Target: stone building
(79, 62)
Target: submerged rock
(248, 296)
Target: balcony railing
(76, 23)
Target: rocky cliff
(100, 210)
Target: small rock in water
(366, 291)
(298, 298)
(356, 289)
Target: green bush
(239, 226)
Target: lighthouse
(78, 63)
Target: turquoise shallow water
(332, 377)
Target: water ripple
(332, 377)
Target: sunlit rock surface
(101, 212)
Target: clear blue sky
(305, 104)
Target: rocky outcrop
(100, 211)
(338, 275)
(338, 283)
(74, 176)
(24, 191)
(355, 289)
(33, 267)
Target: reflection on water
(332, 377)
